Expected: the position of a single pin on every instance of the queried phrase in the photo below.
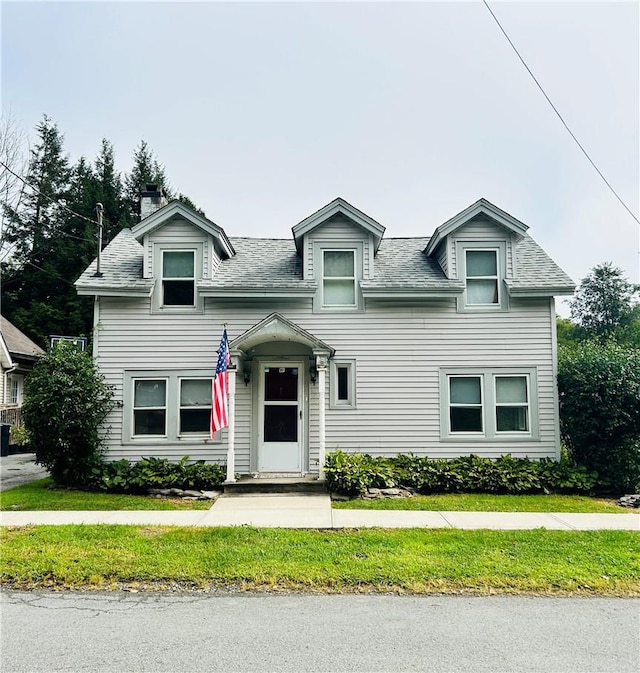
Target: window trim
(319, 247)
(500, 248)
(159, 248)
(172, 420)
(488, 377)
(350, 366)
(192, 278)
(134, 408)
(450, 405)
(179, 431)
(353, 278)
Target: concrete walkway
(314, 511)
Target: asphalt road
(254, 633)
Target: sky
(264, 112)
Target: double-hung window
(149, 407)
(167, 406)
(465, 404)
(195, 406)
(178, 278)
(512, 403)
(489, 403)
(482, 279)
(339, 278)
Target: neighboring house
(18, 354)
(341, 338)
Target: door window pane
(280, 423)
(281, 384)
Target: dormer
(181, 249)
(337, 245)
(477, 247)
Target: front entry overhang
(275, 328)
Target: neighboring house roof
(121, 268)
(336, 207)
(480, 207)
(17, 343)
(179, 209)
(259, 264)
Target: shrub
(121, 476)
(66, 400)
(354, 473)
(599, 386)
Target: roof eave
(338, 205)
(92, 290)
(480, 206)
(165, 213)
(412, 293)
(255, 292)
(540, 291)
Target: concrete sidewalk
(314, 511)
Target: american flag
(219, 418)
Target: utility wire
(544, 93)
(44, 196)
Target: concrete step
(266, 486)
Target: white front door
(280, 416)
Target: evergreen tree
(109, 191)
(146, 170)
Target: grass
(480, 502)
(414, 560)
(38, 495)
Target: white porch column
(231, 435)
(321, 366)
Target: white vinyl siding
(400, 349)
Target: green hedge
(354, 473)
(121, 476)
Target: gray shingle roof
(260, 263)
(536, 270)
(121, 266)
(401, 263)
(264, 263)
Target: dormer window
(482, 280)
(178, 277)
(338, 278)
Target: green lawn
(479, 502)
(38, 495)
(416, 560)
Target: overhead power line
(555, 109)
(45, 196)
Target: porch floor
(248, 485)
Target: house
(18, 354)
(340, 337)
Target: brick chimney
(152, 198)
